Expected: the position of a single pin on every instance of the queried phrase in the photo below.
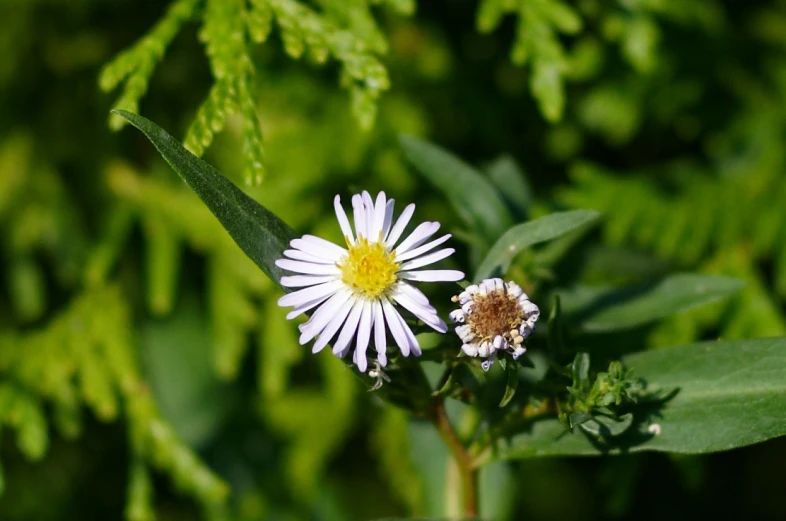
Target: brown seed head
(494, 314)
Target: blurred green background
(144, 363)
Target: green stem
(467, 471)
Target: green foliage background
(144, 364)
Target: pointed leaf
(511, 183)
(581, 367)
(528, 234)
(471, 194)
(259, 233)
(608, 309)
(511, 383)
(729, 394)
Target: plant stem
(467, 471)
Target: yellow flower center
(368, 268)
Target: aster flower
(495, 316)
(355, 289)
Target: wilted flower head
(357, 287)
(494, 316)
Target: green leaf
(607, 309)
(606, 426)
(511, 183)
(581, 367)
(474, 198)
(528, 234)
(729, 394)
(259, 233)
(556, 341)
(512, 382)
(176, 356)
(548, 89)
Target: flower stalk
(464, 462)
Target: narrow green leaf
(581, 367)
(607, 309)
(259, 233)
(176, 356)
(556, 341)
(512, 382)
(729, 394)
(528, 234)
(511, 183)
(474, 198)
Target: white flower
(494, 316)
(356, 287)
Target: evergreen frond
(537, 43)
(85, 356)
(345, 31)
(727, 225)
(135, 65)
(234, 282)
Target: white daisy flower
(495, 316)
(356, 288)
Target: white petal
(518, 351)
(380, 339)
(531, 310)
(322, 316)
(425, 260)
(298, 281)
(388, 219)
(418, 237)
(364, 334)
(426, 314)
(302, 296)
(368, 204)
(414, 347)
(401, 223)
(377, 232)
(457, 316)
(514, 290)
(343, 222)
(420, 250)
(329, 332)
(394, 323)
(422, 308)
(302, 308)
(432, 275)
(349, 329)
(465, 332)
(319, 247)
(470, 349)
(335, 250)
(308, 267)
(359, 216)
(412, 292)
(307, 257)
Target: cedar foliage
(93, 249)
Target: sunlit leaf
(728, 395)
(607, 309)
(258, 232)
(473, 197)
(512, 183)
(528, 234)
